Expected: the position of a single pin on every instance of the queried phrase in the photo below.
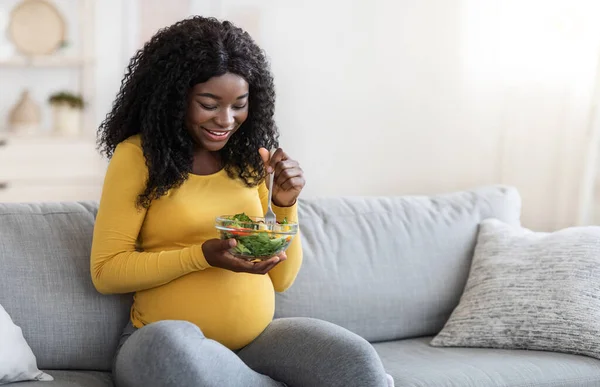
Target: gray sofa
(390, 269)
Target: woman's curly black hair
(152, 102)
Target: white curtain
(533, 68)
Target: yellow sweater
(157, 252)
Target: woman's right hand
(216, 253)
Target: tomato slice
(241, 231)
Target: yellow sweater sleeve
(284, 274)
(116, 265)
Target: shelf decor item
(36, 27)
(66, 113)
(6, 47)
(25, 116)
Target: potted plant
(66, 112)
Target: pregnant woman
(188, 139)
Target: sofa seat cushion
(414, 363)
(73, 379)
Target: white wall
(397, 97)
(387, 97)
(111, 52)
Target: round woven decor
(36, 27)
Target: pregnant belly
(231, 308)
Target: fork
(270, 218)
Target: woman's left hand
(289, 177)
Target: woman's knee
(311, 352)
(148, 347)
(337, 338)
(320, 331)
(168, 330)
(332, 350)
(176, 353)
(163, 335)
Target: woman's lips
(216, 134)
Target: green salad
(254, 239)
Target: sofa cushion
(530, 290)
(74, 379)
(414, 363)
(45, 285)
(390, 268)
(17, 361)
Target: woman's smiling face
(216, 110)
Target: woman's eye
(240, 107)
(207, 107)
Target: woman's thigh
(304, 352)
(176, 353)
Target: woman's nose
(225, 118)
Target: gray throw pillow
(530, 290)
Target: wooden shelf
(33, 138)
(44, 61)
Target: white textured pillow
(530, 290)
(17, 361)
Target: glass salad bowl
(256, 241)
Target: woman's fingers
(286, 172)
(240, 265)
(265, 156)
(271, 161)
(294, 183)
(263, 267)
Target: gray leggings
(297, 352)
